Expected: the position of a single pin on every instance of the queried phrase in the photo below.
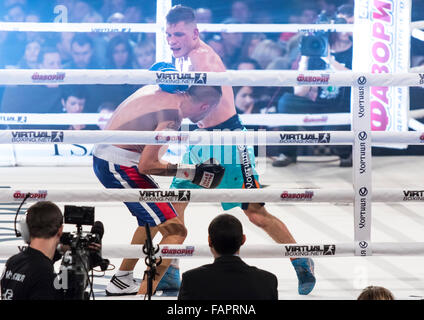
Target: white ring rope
(200, 137)
(271, 195)
(272, 78)
(261, 251)
(152, 27)
(265, 119)
(254, 119)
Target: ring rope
(331, 195)
(256, 251)
(200, 137)
(273, 78)
(266, 119)
(153, 27)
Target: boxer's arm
(150, 159)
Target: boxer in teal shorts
(238, 162)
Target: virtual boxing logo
(413, 195)
(181, 78)
(37, 136)
(309, 250)
(13, 119)
(165, 196)
(305, 137)
(421, 78)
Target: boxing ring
(315, 200)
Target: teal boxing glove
(168, 67)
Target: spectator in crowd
(106, 109)
(37, 98)
(73, 101)
(119, 53)
(133, 13)
(251, 40)
(216, 43)
(33, 17)
(111, 6)
(228, 277)
(244, 99)
(144, 55)
(64, 45)
(266, 51)
(15, 42)
(247, 64)
(232, 43)
(82, 53)
(240, 11)
(204, 15)
(330, 99)
(308, 15)
(30, 58)
(376, 293)
(119, 56)
(80, 9)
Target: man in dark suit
(228, 278)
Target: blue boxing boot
(305, 273)
(170, 282)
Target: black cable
(17, 233)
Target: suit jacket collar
(228, 258)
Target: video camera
(315, 44)
(82, 257)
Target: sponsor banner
(183, 252)
(361, 156)
(363, 248)
(323, 137)
(52, 77)
(385, 50)
(36, 136)
(13, 119)
(287, 196)
(181, 78)
(165, 196)
(413, 195)
(166, 138)
(313, 80)
(40, 195)
(310, 250)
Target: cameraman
(329, 99)
(30, 275)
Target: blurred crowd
(124, 50)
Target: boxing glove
(208, 174)
(168, 67)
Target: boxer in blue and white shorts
(130, 166)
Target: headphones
(23, 226)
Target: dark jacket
(228, 278)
